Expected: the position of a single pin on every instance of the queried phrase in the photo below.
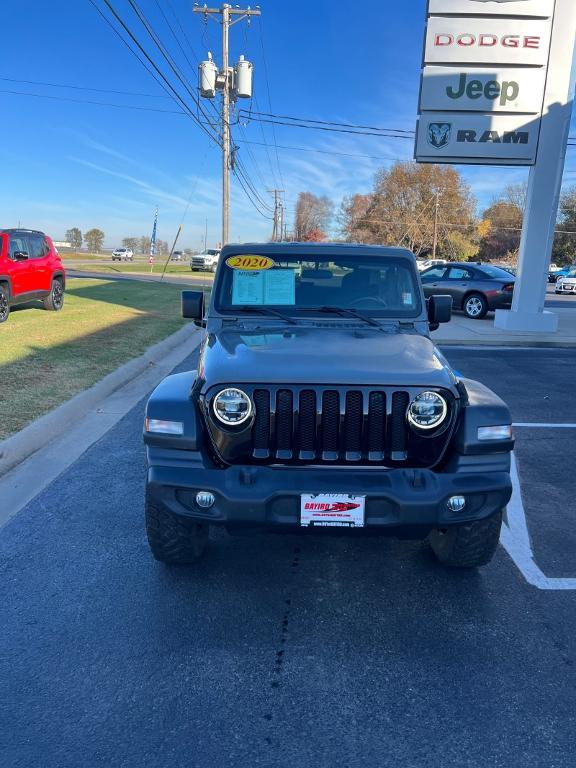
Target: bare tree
(313, 216)
(131, 243)
(74, 237)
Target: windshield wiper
(265, 311)
(347, 312)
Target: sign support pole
(545, 182)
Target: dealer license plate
(332, 510)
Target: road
(75, 269)
(291, 652)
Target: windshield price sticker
(250, 262)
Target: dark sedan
(475, 288)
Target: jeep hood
(309, 355)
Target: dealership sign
(487, 41)
(535, 8)
(477, 138)
(472, 89)
(483, 81)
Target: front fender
(482, 408)
(172, 401)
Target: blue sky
(68, 163)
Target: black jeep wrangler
(320, 402)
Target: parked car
(205, 262)
(554, 275)
(307, 414)
(507, 268)
(122, 254)
(475, 288)
(177, 256)
(567, 283)
(427, 263)
(30, 268)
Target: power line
(124, 42)
(82, 88)
(175, 69)
(330, 130)
(333, 123)
(95, 103)
(325, 151)
(267, 80)
(168, 87)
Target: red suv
(30, 268)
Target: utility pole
(278, 215)
(232, 87)
(436, 209)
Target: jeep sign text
(518, 42)
(482, 89)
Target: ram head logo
(439, 134)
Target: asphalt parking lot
(294, 652)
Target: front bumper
(402, 501)
(566, 288)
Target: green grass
(47, 357)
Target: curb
(15, 449)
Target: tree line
(413, 205)
(93, 239)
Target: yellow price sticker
(250, 263)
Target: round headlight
(427, 411)
(232, 407)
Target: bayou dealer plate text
(340, 510)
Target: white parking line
(515, 539)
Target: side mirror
(439, 311)
(193, 306)
(20, 256)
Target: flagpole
(153, 242)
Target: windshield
(571, 272)
(382, 286)
(496, 272)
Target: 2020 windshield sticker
(250, 262)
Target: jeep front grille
(332, 425)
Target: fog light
(205, 499)
(456, 503)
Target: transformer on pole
(234, 83)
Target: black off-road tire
(4, 303)
(475, 306)
(174, 539)
(467, 546)
(55, 299)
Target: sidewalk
(463, 331)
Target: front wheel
(467, 546)
(4, 304)
(55, 299)
(475, 306)
(174, 539)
